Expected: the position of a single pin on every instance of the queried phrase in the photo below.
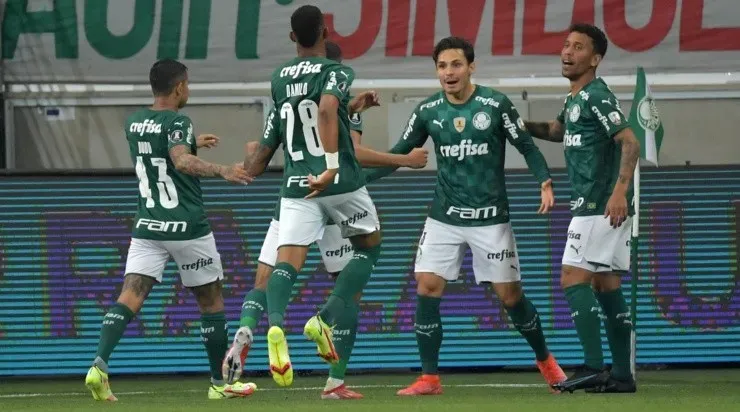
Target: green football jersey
(592, 118)
(297, 87)
(470, 146)
(170, 205)
(355, 123)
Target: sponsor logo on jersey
(615, 118)
(584, 95)
(500, 256)
(268, 125)
(520, 123)
(481, 121)
(146, 127)
(510, 126)
(354, 218)
(198, 264)
(345, 249)
(439, 123)
(300, 69)
(575, 113)
(332, 83)
(571, 140)
(574, 235)
(430, 104)
(302, 181)
(473, 213)
(162, 226)
(601, 117)
(487, 101)
(463, 149)
(409, 126)
(459, 123)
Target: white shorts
(593, 244)
(336, 252)
(303, 220)
(442, 249)
(197, 260)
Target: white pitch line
(315, 388)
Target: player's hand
(319, 184)
(236, 174)
(548, 197)
(417, 158)
(364, 101)
(207, 140)
(616, 209)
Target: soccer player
(600, 154)
(255, 303)
(322, 180)
(170, 222)
(470, 125)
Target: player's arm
(336, 87)
(368, 157)
(180, 143)
(414, 136)
(605, 107)
(257, 159)
(520, 138)
(551, 131)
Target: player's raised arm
(414, 135)
(180, 142)
(514, 128)
(338, 82)
(256, 160)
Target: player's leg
(202, 273)
(496, 261)
(336, 252)
(302, 223)
(585, 251)
(438, 259)
(357, 219)
(253, 307)
(607, 284)
(144, 266)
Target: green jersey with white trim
(170, 204)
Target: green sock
(584, 310)
(618, 325)
(526, 320)
(215, 335)
(279, 289)
(253, 308)
(114, 324)
(345, 332)
(428, 328)
(351, 281)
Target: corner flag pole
(635, 270)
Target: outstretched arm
(551, 131)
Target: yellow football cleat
(277, 348)
(319, 332)
(234, 390)
(97, 381)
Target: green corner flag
(645, 120)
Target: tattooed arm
(551, 131)
(257, 159)
(630, 155)
(190, 164)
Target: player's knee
(262, 276)
(571, 275)
(209, 297)
(509, 294)
(606, 282)
(429, 284)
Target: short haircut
(333, 51)
(307, 23)
(165, 75)
(598, 38)
(454, 42)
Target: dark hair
(333, 51)
(454, 42)
(165, 75)
(598, 38)
(307, 23)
